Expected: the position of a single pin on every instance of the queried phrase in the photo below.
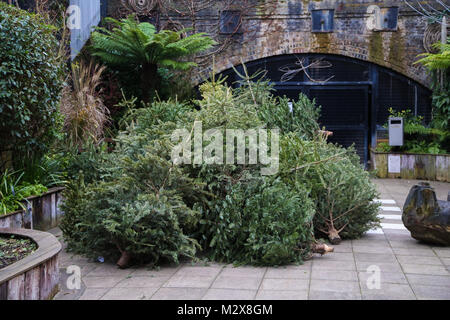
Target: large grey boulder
(427, 218)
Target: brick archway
(392, 50)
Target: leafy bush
(13, 191)
(441, 103)
(48, 170)
(383, 147)
(417, 137)
(261, 222)
(30, 83)
(439, 66)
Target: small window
(230, 21)
(389, 18)
(322, 20)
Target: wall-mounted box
(322, 20)
(389, 19)
(383, 19)
(230, 21)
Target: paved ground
(408, 269)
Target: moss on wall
(321, 42)
(376, 50)
(397, 50)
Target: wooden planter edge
(48, 247)
(432, 167)
(50, 191)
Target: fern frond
(133, 43)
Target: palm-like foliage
(439, 65)
(437, 61)
(139, 47)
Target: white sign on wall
(393, 164)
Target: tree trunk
(333, 236)
(150, 81)
(124, 261)
(322, 248)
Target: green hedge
(30, 83)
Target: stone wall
(286, 29)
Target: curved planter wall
(36, 276)
(434, 167)
(42, 213)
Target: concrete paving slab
(388, 291)
(334, 275)
(281, 295)
(425, 269)
(101, 282)
(289, 272)
(284, 284)
(429, 280)
(183, 281)
(227, 294)
(93, 294)
(143, 282)
(419, 260)
(231, 282)
(335, 265)
(179, 294)
(334, 295)
(385, 277)
(431, 292)
(129, 294)
(334, 285)
(246, 271)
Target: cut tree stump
(427, 218)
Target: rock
(427, 218)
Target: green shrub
(13, 191)
(261, 222)
(30, 83)
(419, 138)
(383, 147)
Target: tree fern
(437, 61)
(138, 46)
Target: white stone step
(384, 201)
(393, 226)
(396, 209)
(390, 216)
